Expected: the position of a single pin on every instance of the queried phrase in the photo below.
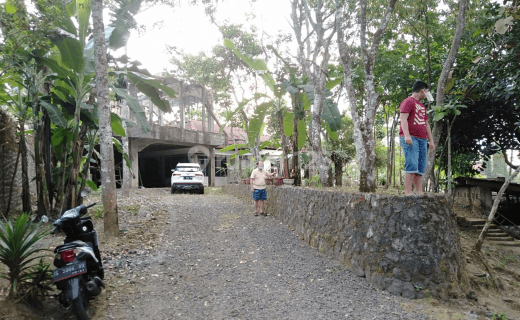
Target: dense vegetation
(365, 53)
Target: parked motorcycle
(79, 271)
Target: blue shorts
(415, 155)
(260, 194)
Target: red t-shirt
(417, 117)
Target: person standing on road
(414, 135)
(259, 186)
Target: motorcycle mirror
(44, 219)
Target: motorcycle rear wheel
(80, 307)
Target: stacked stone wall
(406, 245)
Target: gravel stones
(216, 260)
(409, 241)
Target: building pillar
(160, 116)
(211, 126)
(182, 115)
(150, 110)
(211, 167)
(203, 104)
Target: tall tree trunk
(315, 65)
(284, 145)
(390, 154)
(60, 196)
(441, 85)
(70, 198)
(43, 195)
(330, 181)
(108, 181)
(317, 152)
(295, 151)
(47, 155)
(363, 119)
(26, 192)
(338, 171)
(127, 174)
(11, 185)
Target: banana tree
(19, 107)
(73, 68)
(253, 126)
(302, 96)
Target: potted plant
(288, 182)
(246, 174)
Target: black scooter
(79, 271)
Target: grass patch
(502, 256)
(133, 209)
(97, 212)
(213, 190)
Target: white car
(187, 176)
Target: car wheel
(201, 191)
(173, 190)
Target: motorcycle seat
(70, 245)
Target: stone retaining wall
(406, 245)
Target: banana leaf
(136, 108)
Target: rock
(395, 286)
(408, 290)
(472, 296)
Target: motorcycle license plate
(70, 270)
(188, 178)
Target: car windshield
(187, 169)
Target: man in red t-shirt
(414, 134)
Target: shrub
(17, 249)
(38, 285)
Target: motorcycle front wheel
(80, 306)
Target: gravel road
(215, 260)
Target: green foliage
(151, 87)
(97, 212)
(38, 284)
(246, 171)
(342, 149)
(117, 126)
(314, 181)
(123, 21)
(17, 249)
(288, 121)
(136, 109)
(258, 65)
(450, 108)
(498, 316)
(55, 114)
(256, 124)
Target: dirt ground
(147, 255)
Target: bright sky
(188, 28)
